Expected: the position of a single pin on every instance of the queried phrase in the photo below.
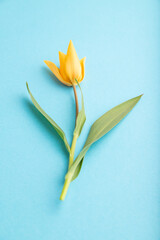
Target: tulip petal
(56, 72)
(71, 52)
(62, 59)
(82, 62)
(72, 65)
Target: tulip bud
(71, 67)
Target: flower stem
(65, 189)
(71, 155)
(76, 99)
(71, 158)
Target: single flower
(71, 67)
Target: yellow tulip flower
(71, 67)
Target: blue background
(117, 194)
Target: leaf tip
(27, 86)
(139, 97)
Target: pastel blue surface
(117, 194)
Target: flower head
(71, 67)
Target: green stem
(65, 189)
(71, 158)
(71, 155)
(76, 100)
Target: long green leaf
(50, 120)
(79, 125)
(81, 118)
(99, 128)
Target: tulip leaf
(50, 120)
(77, 170)
(99, 128)
(81, 118)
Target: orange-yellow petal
(62, 58)
(82, 62)
(72, 68)
(56, 72)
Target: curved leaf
(99, 128)
(81, 118)
(50, 120)
(77, 170)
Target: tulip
(70, 72)
(71, 67)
